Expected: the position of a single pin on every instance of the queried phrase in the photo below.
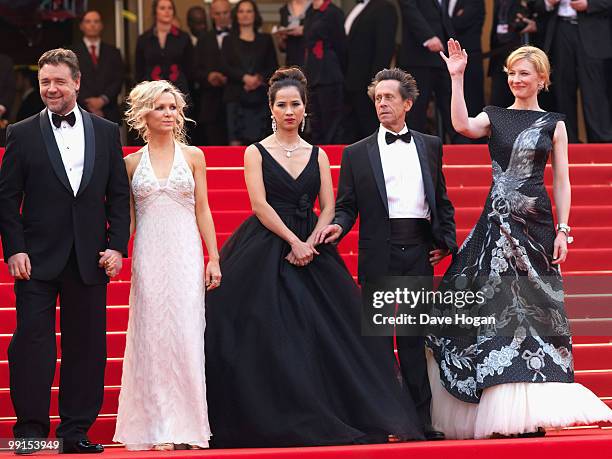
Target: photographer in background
(514, 24)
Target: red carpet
(468, 176)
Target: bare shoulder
(323, 158)
(194, 157)
(192, 154)
(132, 160)
(251, 153)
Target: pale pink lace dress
(163, 391)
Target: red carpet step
(579, 443)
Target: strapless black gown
(285, 362)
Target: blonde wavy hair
(141, 102)
(536, 56)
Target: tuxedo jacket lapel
(360, 17)
(376, 163)
(423, 154)
(90, 150)
(52, 150)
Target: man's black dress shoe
(82, 447)
(431, 434)
(23, 451)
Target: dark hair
(284, 78)
(154, 6)
(258, 19)
(407, 84)
(82, 16)
(61, 56)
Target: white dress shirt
(403, 178)
(220, 37)
(356, 11)
(71, 144)
(564, 10)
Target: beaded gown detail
(163, 390)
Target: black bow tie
(390, 137)
(70, 118)
(222, 30)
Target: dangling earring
(273, 124)
(540, 86)
(303, 124)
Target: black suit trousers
(413, 260)
(575, 68)
(32, 354)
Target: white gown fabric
(513, 408)
(163, 390)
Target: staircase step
(577, 307)
(115, 345)
(480, 175)
(592, 356)
(598, 380)
(112, 375)
(109, 403)
(453, 154)
(460, 196)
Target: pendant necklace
(289, 150)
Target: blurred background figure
(211, 128)
(467, 17)
(164, 52)
(370, 29)
(7, 93)
(197, 23)
(248, 60)
(102, 69)
(579, 41)
(324, 65)
(513, 25)
(426, 27)
(198, 26)
(291, 33)
(26, 84)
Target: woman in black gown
(514, 377)
(285, 362)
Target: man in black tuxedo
(426, 27)
(101, 69)
(370, 28)
(393, 181)
(211, 128)
(579, 41)
(64, 218)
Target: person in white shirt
(64, 222)
(393, 181)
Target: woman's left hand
(560, 248)
(213, 275)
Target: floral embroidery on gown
(508, 257)
(163, 391)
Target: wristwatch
(565, 229)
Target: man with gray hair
(393, 181)
(64, 222)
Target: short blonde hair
(536, 56)
(141, 102)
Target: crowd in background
(223, 69)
